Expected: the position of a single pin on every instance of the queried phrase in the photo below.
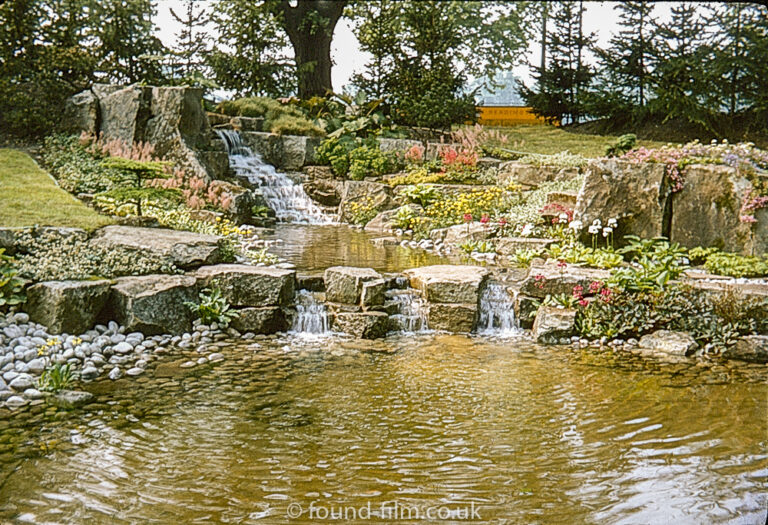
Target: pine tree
(566, 76)
(250, 54)
(128, 50)
(191, 44)
(622, 88)
(679, 80)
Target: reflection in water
(528, 434)
(319, 247)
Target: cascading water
(311, 315)
(497, 312)
(412, 312)
(286, 198)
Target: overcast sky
(348, 59)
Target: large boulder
(752, 348)
(636, 194)
(449, 283)
(81, 113)
(365, 325)
(245, 285)
(706, 211)
(548, 279)
(456, 318)
(668, 342)
(553, 324)
(67, 306)
(298, 151)
(263, 320)
(124, 114)
(531, 175)
(154, 304)
(184, 249)
(383, 221)
(344, 284)
(372, 194)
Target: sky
(600, 17)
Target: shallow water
(319, 247)
(527, 434)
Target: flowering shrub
(415, 154)
(462, 159)
(743, 156)
(452, 209)
(363, 211)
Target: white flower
(576, 225)
(606, 231)
(597, 223)
(612, 223)
(527, 230)
(594, 229)
(563, 217)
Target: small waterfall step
(411, 313)
(311, 315)
(497, 312)
(287, 198)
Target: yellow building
(507, 116)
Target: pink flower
(484, 219)
(583, 302)
(467, 217)
(562, 264)
(595, 286)
(502, 222)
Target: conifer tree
(191, 40)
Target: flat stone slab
(185, 249)
(154, 304)
(67, 306)
(245, 285)
(548, 279)
(444, 283)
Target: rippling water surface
(525, 433)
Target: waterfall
(497, 312)
(311, 316)
(288, 200)
(412, 311)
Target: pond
(516, 432)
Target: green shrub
(291, 125)
(368, 161)
(212, 308)
(421, 194)
(11, 286)
(622, 145)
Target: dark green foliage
(565, 77)
(423, 52)
(191, 47)
(622, 145)
(249, 56)
(655, 262)
(715, 322)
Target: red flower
(502, 222)
(562, 264)
(484, 219)
(583, 302)
(467, 217)
(595, 286)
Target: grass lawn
(551, 140)
(29, 196)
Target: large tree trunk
(310, 26)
